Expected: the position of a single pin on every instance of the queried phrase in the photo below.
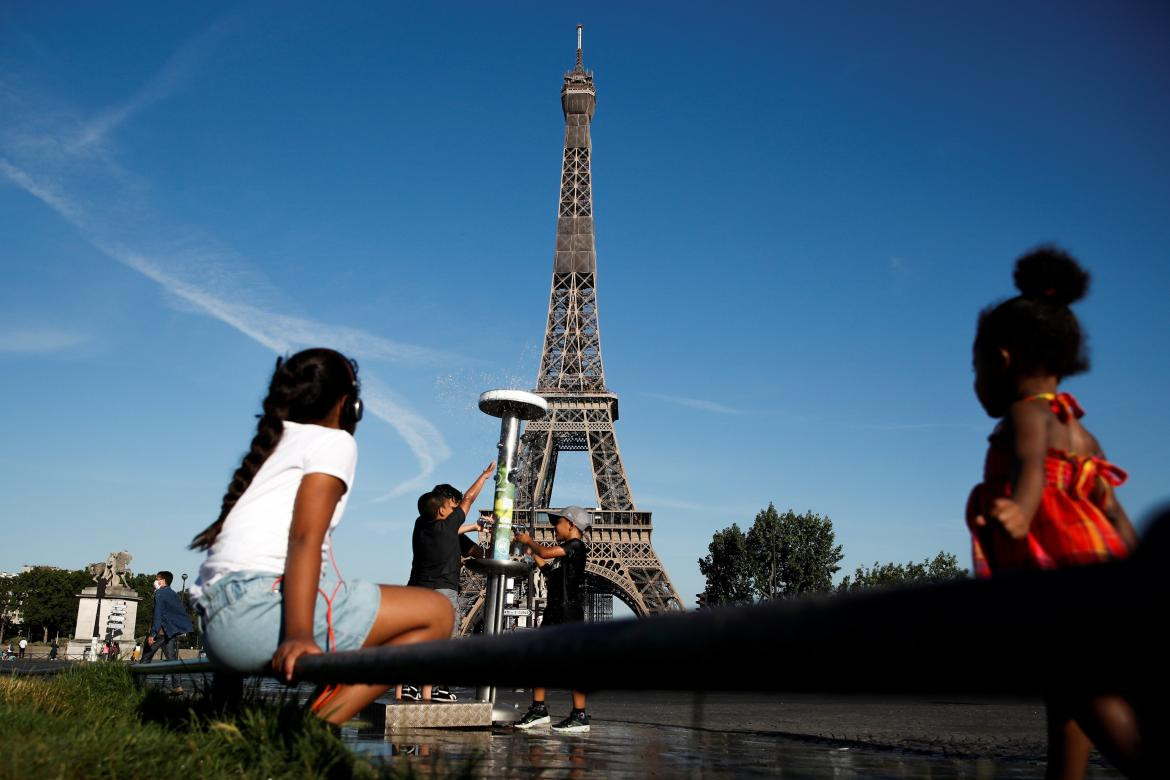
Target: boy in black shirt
(564, 568)
(441, 522)
(438, 543)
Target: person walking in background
(563, 565)
(1047, 496)
(23, 646)
(54, 648)
(171, 622)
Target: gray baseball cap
(574, 514)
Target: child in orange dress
(1047, 499)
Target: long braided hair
(304, 389)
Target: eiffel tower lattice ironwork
(621, 560)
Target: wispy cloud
(898, 265)
(27, 340)
(177, 71)
(697, 403)
(420, 435)
(57, 167)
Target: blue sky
(800, 212)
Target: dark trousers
(170, 650)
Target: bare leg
(1112, 725)
(426, 692)
(1068, 747)
(538, 695)
(578, 700)
(405, 616)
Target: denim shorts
(453, 597)
(242, 618)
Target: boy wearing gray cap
(564, 568)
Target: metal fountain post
(511, 406)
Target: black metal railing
(1099, 626)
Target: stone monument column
(108, 609)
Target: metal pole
(511, 406)
(501, 547)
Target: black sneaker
(537, 715)
(439, 693)
(411, 693)
(576, 723)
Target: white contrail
(43, 150)
(697, 403)
(23, 339)
(278, 332)
(424, 439)
(177, 70)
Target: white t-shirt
(254, 536)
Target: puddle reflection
(622, 750)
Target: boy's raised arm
(472, 492)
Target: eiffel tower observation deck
(582, 411)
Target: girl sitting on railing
(259, 585)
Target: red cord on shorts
(331, 642)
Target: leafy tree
(726, 567)
(47, 599)
(8, 604)
(781, 555)
(944, 566)
(792, 554)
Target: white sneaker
(576, 723)
(536, 716)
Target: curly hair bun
(1050, 273)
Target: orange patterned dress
(1069, 527)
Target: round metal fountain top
(518, 403)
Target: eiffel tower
(582, 411)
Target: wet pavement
(668, 734)
(683, 735)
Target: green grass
(93, 722)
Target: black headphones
(351, 410)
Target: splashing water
(459, 390)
